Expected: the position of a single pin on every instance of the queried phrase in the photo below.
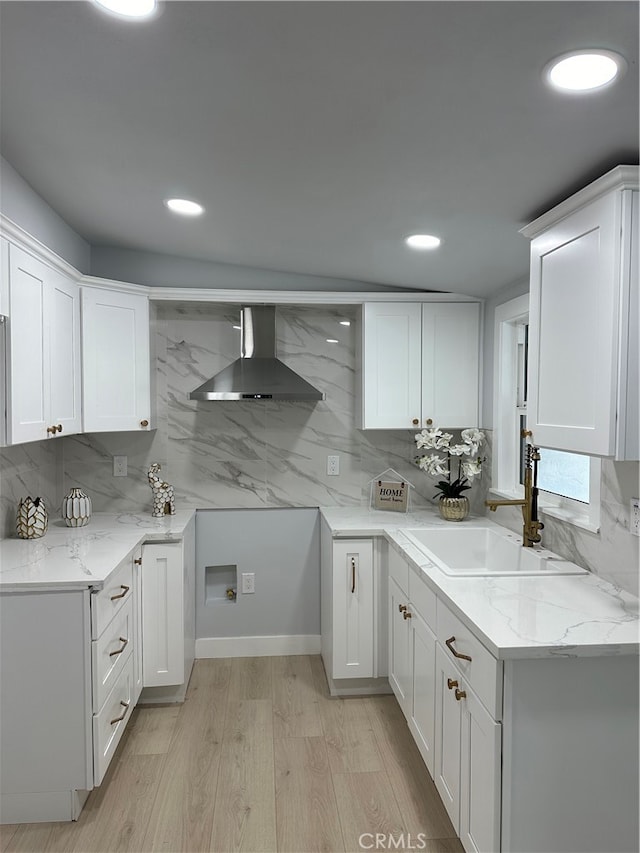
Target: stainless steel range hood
(257, 374)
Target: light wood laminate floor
(258, 758)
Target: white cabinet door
(574, 329)
(353, 609)
(116, 361)
(162, 614)
(447, 736)
(420, 365)
(400, 647)
(450, 363)
(480, 761)
(28, 385)
(63, 296)
(391, 346)
(137, 625)
(423, 699)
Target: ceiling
(316, 135)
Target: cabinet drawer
(109, 652)
(423, 599)
(483, 672)
(399, 570)
(110, 723)
(117, 591)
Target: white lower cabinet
(163, 639)
(353, 613)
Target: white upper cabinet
(583, 323)
(116, 361)
(43, 387)
(420, 364)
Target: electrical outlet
(333, 466)
(634, 522)
(119, 466)
(248, 582)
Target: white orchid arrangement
(436, 465)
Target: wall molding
(270, 646)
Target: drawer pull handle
(449, 643)
(124, 642)
(460, 694)
(402, 607)
(125, 590)
(125, 705)
(138, 561)
(353, 575)
(451, 683)
(406, 615)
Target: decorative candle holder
(76, 508)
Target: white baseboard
(250, 647)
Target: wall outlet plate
(119, 466)
(634, 517)
(333, 466)
(248, 582)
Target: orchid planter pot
(454, 509)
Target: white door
(400, 647)
(391, 365)
(447, 736)
(450, 364)
(353, 615)
(63, 311)
(162, 614)
(28, 386)
(479, 777)
(116, 361)
(573, 326)
(423, 704)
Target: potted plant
(452, 502)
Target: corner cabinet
(419, 365)
(43, 373)
(116, 361)
(584, 317)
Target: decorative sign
(390, 496)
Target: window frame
(507, 410)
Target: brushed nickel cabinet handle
(59, 427)
(449, 643)
(138, 561)
(460, 694)
(406, 615)
(451, 683)
(115, 720)
(125, 590)
(402, 607)
(51, 430)
(124, 642)
(353, 575)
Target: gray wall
(22, 205)
(282, 548)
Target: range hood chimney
(257, 374)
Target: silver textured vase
(32, 519)
(76, 508)
(454, 509)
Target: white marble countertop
(84, 556)
(514, 617)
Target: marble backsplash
(269, 454)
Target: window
(569, 483)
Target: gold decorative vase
(454, 509)
(32, 519)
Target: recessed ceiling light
(345, 322)
(332, 341)
(423, 241)
(184, 207)
(133, 9)
(584, 70)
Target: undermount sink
(464, 550)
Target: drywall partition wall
(158, 270)
(281, 549)
(22, 205)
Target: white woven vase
(76, 508)
(32, 519)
